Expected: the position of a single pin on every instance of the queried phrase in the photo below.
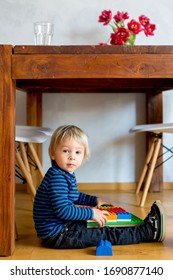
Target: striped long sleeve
(55, 202)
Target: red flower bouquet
(125, 35)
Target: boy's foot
(156, 218)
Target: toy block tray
(118, 217)
(118, 223)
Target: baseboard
(117, 186)
(103, 186)
(168, 186)
(21, 187)
(106, 186)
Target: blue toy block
(104, 248)
(124, 216)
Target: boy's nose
(71, 156)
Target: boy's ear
(51, 153)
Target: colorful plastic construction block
(118, 209)
(104, 248)
(106, 207)
(124, 216)
(112, 216)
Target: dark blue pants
(75, 235)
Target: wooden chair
(26, 137)
(156, 131)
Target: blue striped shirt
(55, 202)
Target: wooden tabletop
(93, 68)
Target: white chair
(46, 130)
(26, 137)
(156, 131)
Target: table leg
(7, 145)
(155, 115)
(34, 118)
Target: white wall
(107, 118)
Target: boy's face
(69, 155)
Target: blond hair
(69, 131)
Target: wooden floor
(28, 246)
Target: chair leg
(26, 174)
(146, 165)
(25, 158)
(36, 158)
(151, 170)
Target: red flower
(121, 16)
(144, 20)
(105, 17)
(125, 34)
(149, 29)
(134, 26)
(120, 37)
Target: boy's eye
(78, 152)
(65, 151)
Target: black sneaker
(156, 218)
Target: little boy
(60, 222)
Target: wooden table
(83, 69)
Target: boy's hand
(100, 216)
